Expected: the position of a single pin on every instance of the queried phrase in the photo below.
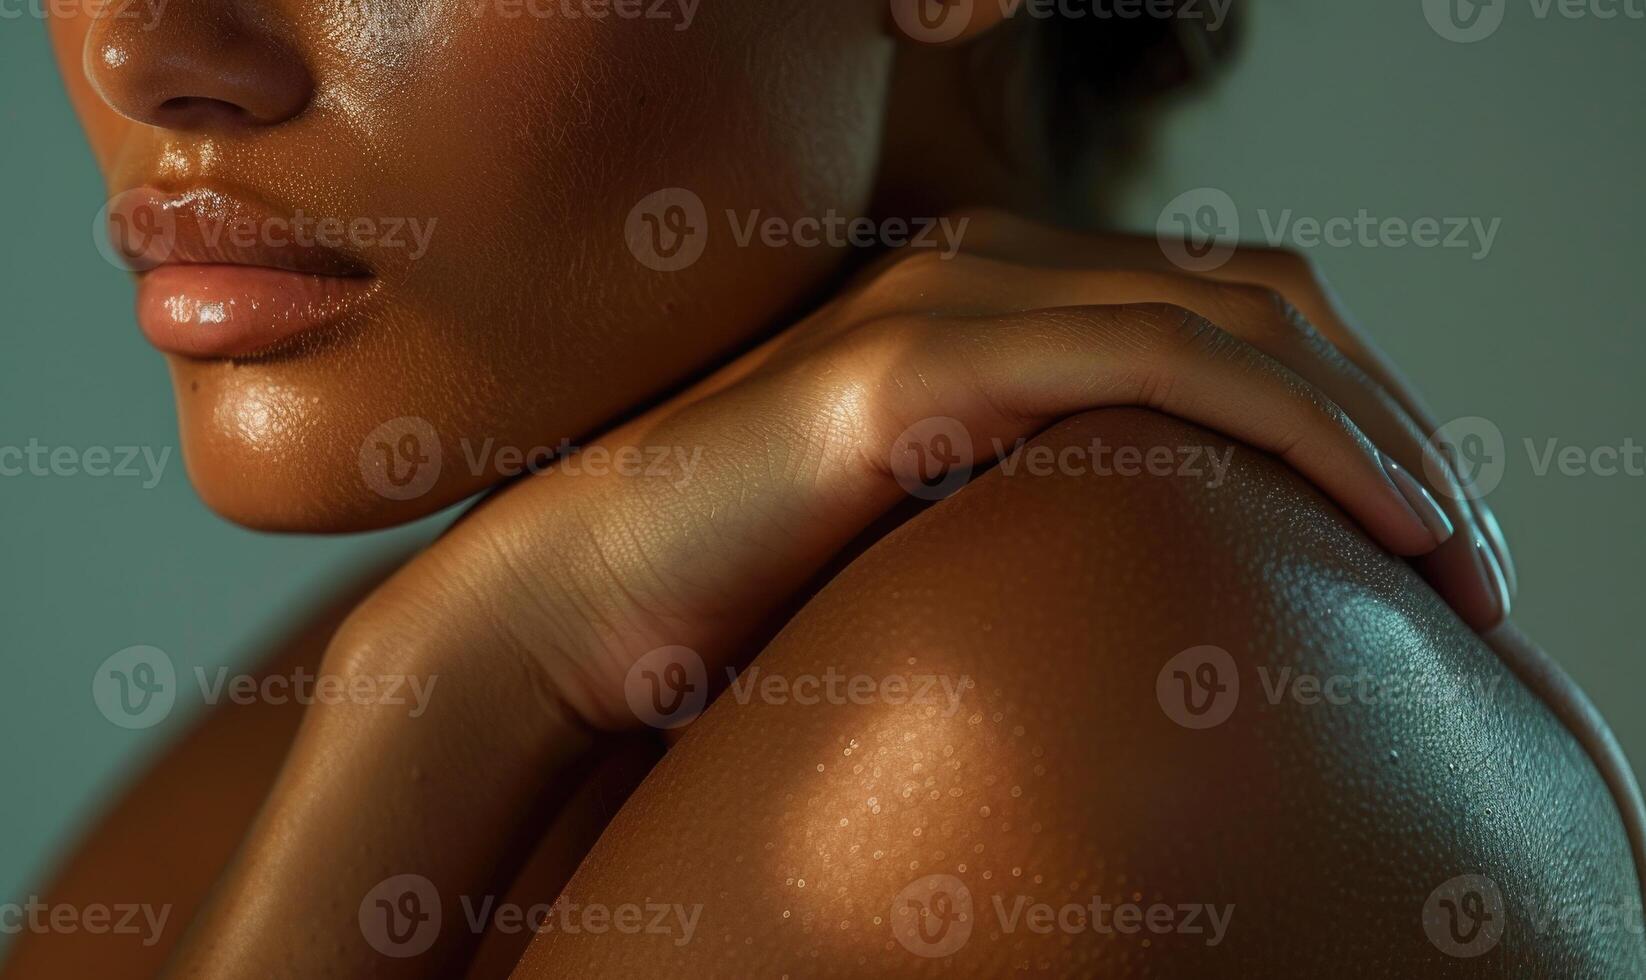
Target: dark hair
(1081, 90)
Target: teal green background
(1337, 106)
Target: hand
(805, 441)
(535, 609)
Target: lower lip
(216, 311)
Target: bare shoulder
(1141, 703)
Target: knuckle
(378, 637)
(894, 332)
(982, 215)
(921, 268)
(1286, 264)
(1178, 329)
(907, 276)
(1258, 298)
(1320, 410)
(1270, 312)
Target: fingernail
(1500, 547)
(1418, 499)
(1492, 575)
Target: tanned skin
(808, 388)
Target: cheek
(523, 145)
(510, 151)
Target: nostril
(202, 66)
(187, 110)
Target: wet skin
(523, 319)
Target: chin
(272, 451)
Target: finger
(976, 286)
(1170, 359)
(1464, 570)
(1011, 238)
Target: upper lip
(214, 225)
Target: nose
(196, 65)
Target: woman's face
(388, 220)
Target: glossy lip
(221, 275)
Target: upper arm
(1374, 752)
